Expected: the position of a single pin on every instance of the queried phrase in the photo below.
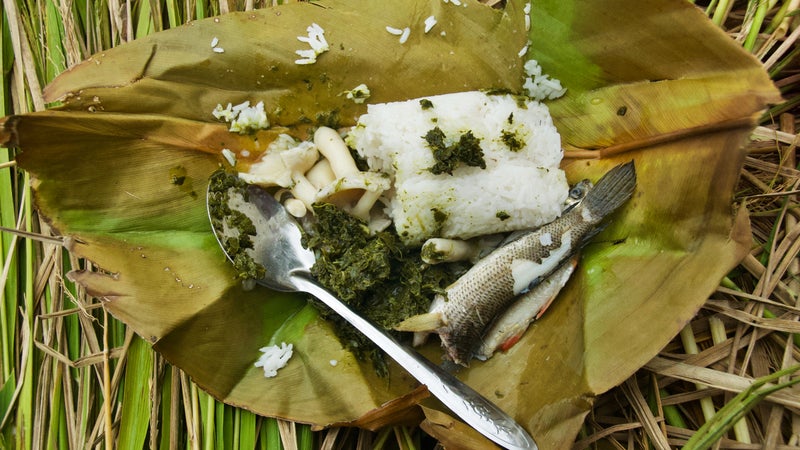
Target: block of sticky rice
(520, 187)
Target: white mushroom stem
(365, 204)
(321, 174)
(303, 190)
(440, 250)
(332, 147)
(356, 193)
(295, 207)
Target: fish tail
(421, 322)
(611, 191)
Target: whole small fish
(472, 303)
(480, 248)
(508, 328)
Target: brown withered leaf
(678, 100)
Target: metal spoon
(288, 265)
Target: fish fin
(450, 367)
(421, 322)
(510, 342)
(612, 190)
(545, 306)
(419, 338)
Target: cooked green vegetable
(512, 141)
(221, 185)
(375, 274)
(466, 150)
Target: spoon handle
(473, 408)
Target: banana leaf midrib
(577, 153)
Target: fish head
(577, 193)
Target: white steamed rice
(517, 190)
(274, 358)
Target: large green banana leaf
(649, 80)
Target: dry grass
(749, 327)
(64, 362)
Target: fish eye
(578, 190)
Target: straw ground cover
(73, 377)
(747, 328)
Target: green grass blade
(84, 404)
(56, 409)
(223, 426)
(755, 26)
(173, 13)
(270, 435)
(84, 19)
(156, 15)
(6, 59)
(737, 408)
(672, 415)
(63, 432)
(208, 420)
(785, 62)
(136, 403)
(6, 395)
(25, 402)
(55, 59)
(144, 21)
(247, 430)
(721, 10)
(9, 292)
(382, 438)
(167, 426)
(100, 25)
(305, 437)
(779, 16)
(201, 9)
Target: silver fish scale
(476, 298)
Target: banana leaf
(648, 80)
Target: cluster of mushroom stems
(333, 177)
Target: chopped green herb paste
(221, 186)
(375, 274)
(511, 140)
(466, 150)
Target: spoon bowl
(287, 267)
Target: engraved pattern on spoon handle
(476, 410)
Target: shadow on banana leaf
(121, 168)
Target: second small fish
(474, 301)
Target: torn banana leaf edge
(680, 116)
